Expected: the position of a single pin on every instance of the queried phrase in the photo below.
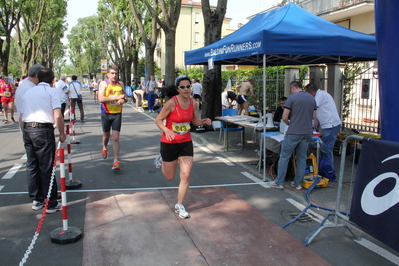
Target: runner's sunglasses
(184, 87)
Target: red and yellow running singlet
(112, 91)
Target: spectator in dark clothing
(278, 114)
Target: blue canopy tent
(288, 35)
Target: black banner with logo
(375, 199)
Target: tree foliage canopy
(85, 46)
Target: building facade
(189, 34)
(356, 15)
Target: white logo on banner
(373, 205)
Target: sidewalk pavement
(140, 228)
(126, 228)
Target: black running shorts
(109, 121)
(241, 99)
(171, 151)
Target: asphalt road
(213, 169)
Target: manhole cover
(289, 215)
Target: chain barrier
(41, 221)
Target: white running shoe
(58, 207)
(37, 205)
(158, 161)
(296, 186)
(179, 208)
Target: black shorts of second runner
(241, 99)
(197, 96)
(171, 151)
(109, 121)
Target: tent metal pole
(342, 91)
(264, 117)
(277, 87)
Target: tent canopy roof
(288, 35)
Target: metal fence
(338, 216)
(364, 102)
(274, 90)
(364, 106)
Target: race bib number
(7, 94)
(113, 96)
(181, 128)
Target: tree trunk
(149, 61)
(4, 56)
(170, 57)
(213, 21)
(135, 62)
(4, 64)
(211, 96)
(1, 57)
(26, 55)
(122, 70)
(128, 72)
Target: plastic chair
(226, 129)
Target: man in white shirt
(62, 89)
(75, 93)
(39, 111)
(30, 82)
(328, 118)
(150, 87)
(197, 90)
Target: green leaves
(86, 45)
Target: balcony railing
(319, 7)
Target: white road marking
(364, 242)
(12, 171)
(136, 189)
(255, 179)
(379, 250)
(23, 157)
(224, 160)
(1, 187)
(315, 216)
(202, 148)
